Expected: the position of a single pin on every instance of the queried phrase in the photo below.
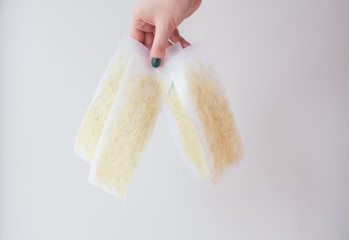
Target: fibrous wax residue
(189, 140)
(132, 122)
(98, 111)
(216, 117)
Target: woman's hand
(155, 22)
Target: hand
(155, 22)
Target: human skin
(155, 22)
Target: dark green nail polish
(155, 62)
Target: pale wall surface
(285, 66)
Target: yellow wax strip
(98, 111)
(130, 125)
(189, 140)
(216, 117)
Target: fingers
(175, 37)
(140, 27)
(162, 35)
(157, 42)
(149, 39)
(137, 33)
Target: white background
(285, 67)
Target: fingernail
(155, 62)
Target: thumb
(157, 52)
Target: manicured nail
(155, 62)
